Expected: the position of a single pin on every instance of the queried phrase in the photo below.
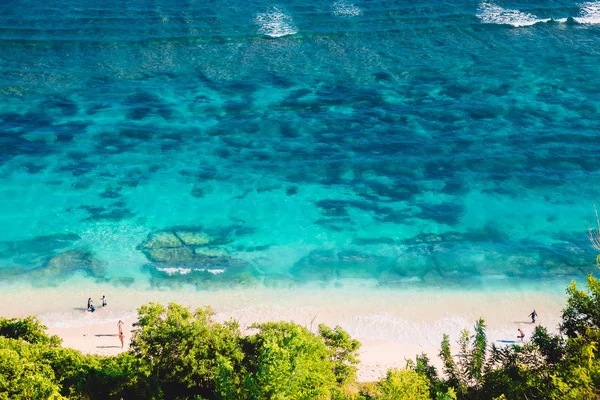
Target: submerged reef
(190, 255)
(65, 264)
(56, 268)
(26, 251)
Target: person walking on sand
(533, 315)
(104, 302)
(122, 339)
(521, 335)
(120, 326)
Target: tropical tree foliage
(404, 384)
(343, 350)
(29, 329)
(282, 360)
(180, 349)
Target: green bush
(583, 309)
(181, 349)
(124, 376)
(344, 352)
(403, 385)
(23, 376)
(282, 361)
(29, 329)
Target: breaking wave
(490, 13)
(589, 13)
(344, 9)
(275, 23)
(185, 271)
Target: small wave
(81, 318)
(184, 271)
(589, 13)
(215, 271)
(383, 326)
(343, 9)
(174, 271)
(275, 23)
(490, 13)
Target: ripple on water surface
(426, 145)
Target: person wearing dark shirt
(533, 315)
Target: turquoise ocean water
(225, 143)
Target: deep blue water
(407, 142)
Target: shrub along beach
(176, 353)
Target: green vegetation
(179, 354)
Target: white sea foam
(214, 271)
(383, 326)
(78, 318)
(185, 271)
(175, 270)
(344, 9)
(275, 23)
(589, 13)
(490, 13)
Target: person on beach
(533, 315)
(122, 339)
(104, 302)
(521, 335)
(90, 306)
(120, 327)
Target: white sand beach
(392, 325)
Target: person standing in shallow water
(533, 315)
(90, 306)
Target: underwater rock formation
(183, 249)
(39, 245)
(329, 265)
(69, 262)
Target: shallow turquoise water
(408, 143)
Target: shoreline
(392, 325)
(376, 356)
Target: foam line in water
(344, 9)
(383, 326)
(490, 13)
(185, 271)
(72, 319)
(275, 23)
(175, 271)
